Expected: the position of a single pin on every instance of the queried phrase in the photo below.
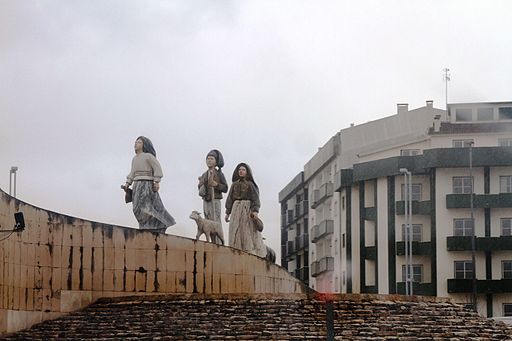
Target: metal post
(409, 193)
(12, 174)
(473, 236)
(446, 78)
(408, 230)
(406, 235)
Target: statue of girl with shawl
(212, 184)
(243, 204)
(145, 176)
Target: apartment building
(295, 228)
(357, 205)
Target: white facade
(363, 250)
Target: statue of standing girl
(212, 184)
(243, 204)
(145, 177)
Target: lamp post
(408, 230)
(12, 174)
(473, 234)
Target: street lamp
(473, 235)
(408, 230)
(12, 174)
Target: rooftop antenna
(446, 78)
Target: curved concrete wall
(60, 264)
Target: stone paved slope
(346, 317)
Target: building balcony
(290, 217)
(488, 286)
(370, 213)
(463, 243)
(283, 220)
(290, 248)
(418, 207)
(284, 235)
(422, 289)
(321, 194)
(343, 178)
(321, 230)
(323, 265)
(302, 241)
(502, 200)
(370, 252)
(418, 248)
(301, 209)
(302, 274)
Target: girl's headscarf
(218, 157)
(248, 176)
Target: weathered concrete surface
(60, 264)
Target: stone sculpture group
(242, 203)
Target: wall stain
(194, 273)
(69, 282)
(81, 271)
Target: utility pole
(473, 235)
(12, 174)
(409, 276)
(446, 78)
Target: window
(485, 114)
(343, 202)
(416, 192)
(417, 232)
(506, 184)
(507, 309)
(506, 227)
(462, 143)
(462, 185)
(410, 152)
(505, 142)
(505, 113)
(506, 269)
(463, 227)
(343, 240)
(463, 269)
(417, 273)
(463, 115)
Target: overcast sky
(265, 82)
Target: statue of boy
(212, 184)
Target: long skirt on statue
(242, 232)
(149, 209)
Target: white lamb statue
(211, 229)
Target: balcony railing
(323, 265)
(302, 274)
(321, 230)
(284, 235)
(302, 241)
(370, 213)
(423, 289)
(463, 243)
(488, 286)
(290, 217)
(479, 200)
(321, 194)
(418, 248)
(290, 248)
(418, 207)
